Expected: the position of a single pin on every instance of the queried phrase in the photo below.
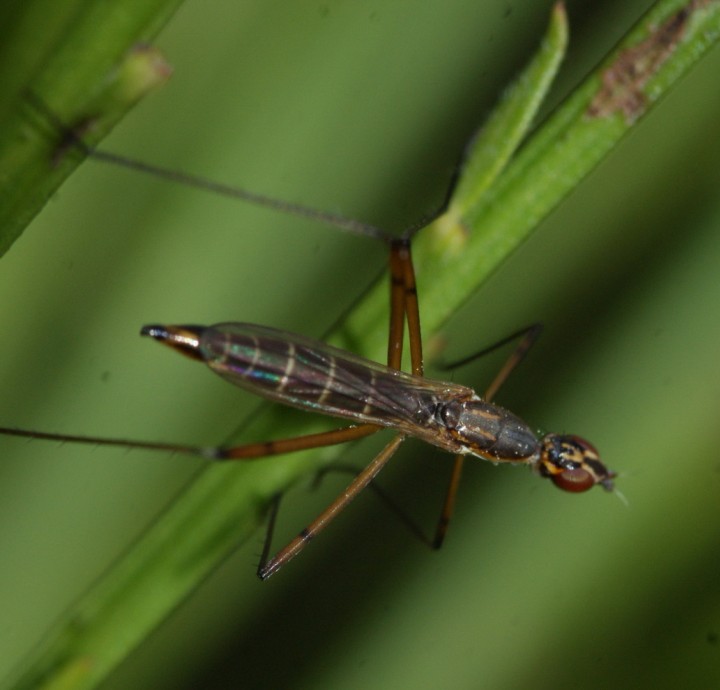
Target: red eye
(574, 481)
(586, 446)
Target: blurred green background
(363, 108)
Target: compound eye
(585, 446)
(575, 481)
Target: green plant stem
(88, 63)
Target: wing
(312, 375)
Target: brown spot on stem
(623, 82)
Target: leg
(397, 306)
(290, 445)
(403, 300)
(404, 304)
(404, 281)
(266, 569)
(404, 276)
(449, 505)
(397, 510)
(71, 139)
(250, 451)
(529, 337)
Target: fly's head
(573, 464)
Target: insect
(314, 376)
(311, 375)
